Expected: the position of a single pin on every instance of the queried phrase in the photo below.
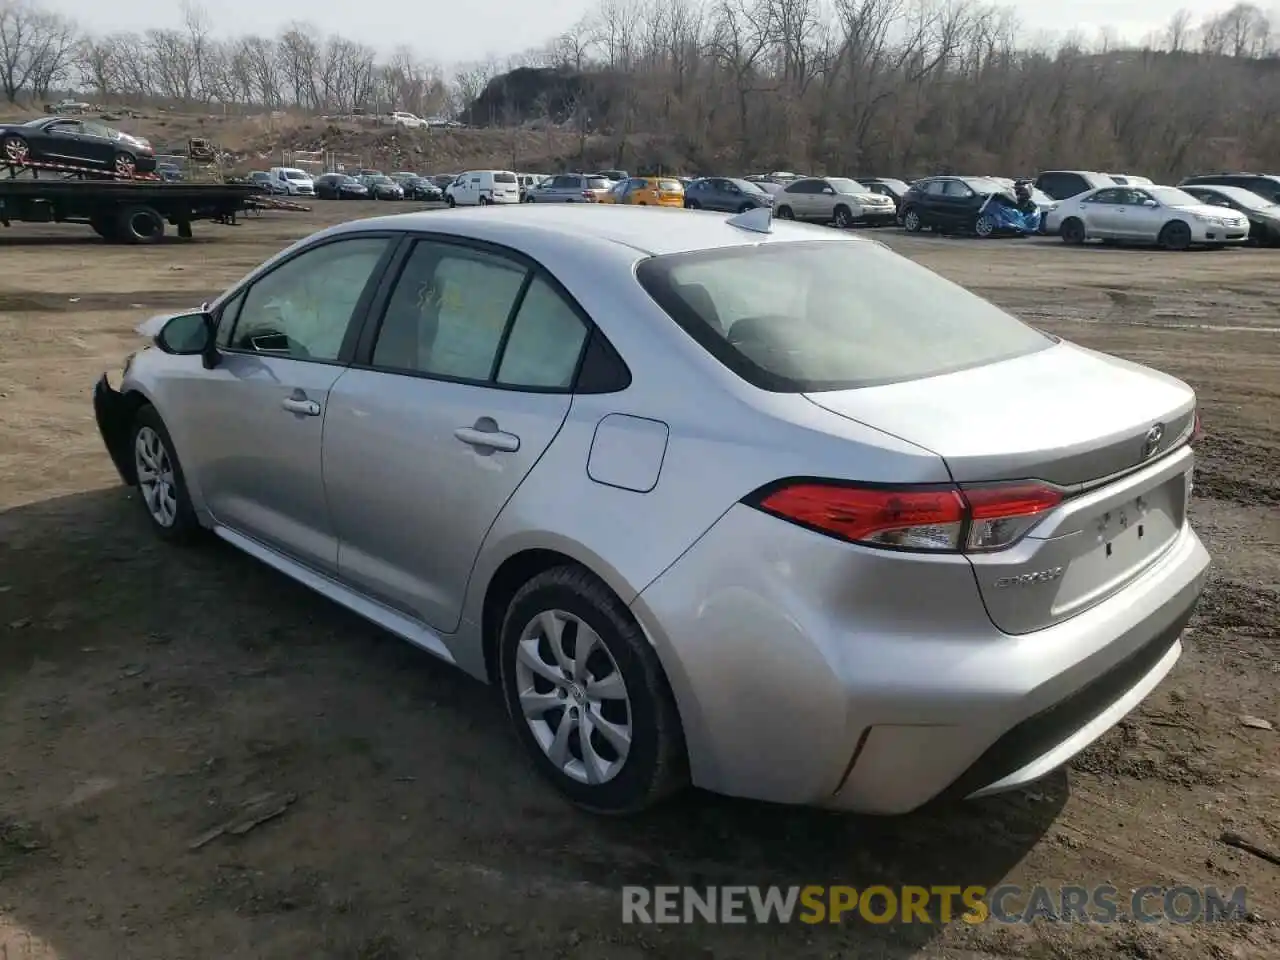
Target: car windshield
(296, 175)
(381, 180)
(987, 185)
(845, 185)
(746, 186)
(802, 316)
(1172, 196)
(1246, 198)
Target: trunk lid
(1108, 432)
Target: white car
(479, 188)
(407, 120)
(293, 182)
(1166, 216)
(837, 200)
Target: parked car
(339, 186)
(79, 142)
(382, 187)
(296, 182)
(728, 194)
(678, 494)
(1062, 184)
(837, 200)
(1264, 185)
(262, 179)
(1161, 215)
(444, 180)
(889, 187)
(951, 204)
(1264, 216)
(480, 188)
(420, 188)
(527, 182)
(569, 188)
(646, 192)
(407, 121)
(169, 172)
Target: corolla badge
(1028, 579)
(1151, 442)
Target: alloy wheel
(156, 478)
(573, 697)
(125, 164)
(16, 150)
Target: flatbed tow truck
(121, 208)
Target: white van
(483, 187)
(295, 182)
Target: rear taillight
(588, 195)
(933, 518)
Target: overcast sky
(449, 33)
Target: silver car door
(1141, 217)
(427, 440)
(258, 416)
(1099, 213)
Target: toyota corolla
(757, 506)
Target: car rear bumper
(811, 671)
(115, 418)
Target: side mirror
(189, 335)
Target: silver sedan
(1165, 216)
(705, 504)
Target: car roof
(648, 231)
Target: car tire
(785, 213)
(984, 226)
(693, 205)
(125, 164)
(452, 202)
(843, 219)
(16, 150)
(1072, 231)
(1175, 235)
(911, 221)
(162, 487)
(140, 224)
(483, 201)
(746, 208)
(631, 772)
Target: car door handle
(491, 439)
(308, 408)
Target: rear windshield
(504, 178)
(597, 183)
(670, 185)
(801, 317)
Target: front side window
(302, 308)
(448, 312)
(801, 317)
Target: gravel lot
(146, 693)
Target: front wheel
(911, 222)
(484, 201)
(587, 695)
(449, 200)
(161, 483)
(843, 218)
(984, 226)
(693, 204)
(1176, 235)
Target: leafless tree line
(842, 85)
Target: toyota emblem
(1151, 443)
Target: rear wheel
(1073, 231)
(693, 204)
(746, 208)
(784, 213)
(1176, 235)
(484, 201)
(587, 696)
(449, 200)
(140, 225)
(16, 150)
(911, 221)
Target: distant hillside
(557, 94)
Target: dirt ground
(147, 693)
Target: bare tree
(1178, 31)
(36, 48)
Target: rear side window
(801, 317)
(504, 178)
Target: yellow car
(647, 191)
